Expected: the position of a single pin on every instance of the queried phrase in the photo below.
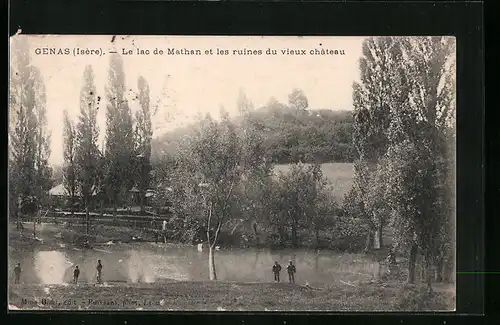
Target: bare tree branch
(216, 233)
(226, 201)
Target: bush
(349, 234)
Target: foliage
(70, 169)
(119, 135)
(87, 134)
(207, 172)
(372, 97)
(29, 171)
(303, 200)
(142, 141)
(400, 138)
(298, 100)
(419, 150)
(42, 140)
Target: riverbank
(51, 236)
(213, 296)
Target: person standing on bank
(276, 271)
(99, 271)
(291, 272)
(17, 273)
(164, 231)
(76, 274)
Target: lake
(149, 263)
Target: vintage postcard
(231, 173)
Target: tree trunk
(87, 217)
(18, 217)
(281, 231)
(412, 259)
(256, 234)
(294, 234)
(317, 237)
(211, 263)
(369, 240)
(34, 227)
(378, 237)
(114, 207)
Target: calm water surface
(147, 263)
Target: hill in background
(320, 136)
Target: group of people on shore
(76, 273)
(290, 268)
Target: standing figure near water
(164, 231)
(276, 271)
(76, 274)
(17, 273)
(99, 271)
(291, 272)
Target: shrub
(349, 234)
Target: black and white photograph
(232, 173)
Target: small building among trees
(59, 197)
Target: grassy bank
(369, 296)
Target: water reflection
(51, 267)
(147, 263)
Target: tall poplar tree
(119, 136)
(43, 169)
(421, 153)
(69, 153)
(372, 98)
(29, 171)
(143, 135)
(87, 134)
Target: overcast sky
(198, 84)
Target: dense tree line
(404, 135)
(104, 176)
